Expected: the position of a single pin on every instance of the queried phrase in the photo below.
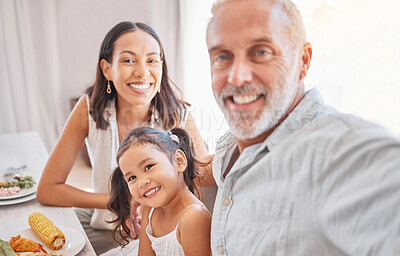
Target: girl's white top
(167, 245)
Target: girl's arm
(52, 189)
(144, 242)
(194, 231)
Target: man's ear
(181, 161)
(106, 68)
(305, 60)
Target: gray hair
(297, 29)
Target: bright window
(355, 64)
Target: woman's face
(136, 68)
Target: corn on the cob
(46, 230)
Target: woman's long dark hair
(171, 108)
(165, 141)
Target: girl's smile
(151, 192)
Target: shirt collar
(300, 116)
(297, 119)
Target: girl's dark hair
(171, 108)
(165, 141)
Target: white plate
(74, 241)
(22, 193)
(18, 200)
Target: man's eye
(263, 52)
(222, 58)
(148, 167)
(131, 178)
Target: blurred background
(49, 51)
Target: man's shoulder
(342, 140)
(334, 135)
(334, 124)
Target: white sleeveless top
(102, 146)
(167, 245)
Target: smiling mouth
(244, 99)
(140, 86)
(151, 191)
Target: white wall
(196, 69)
(83, 25)
(355, 63)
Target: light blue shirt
(323, 183)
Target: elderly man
(294, 176)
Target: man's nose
(241, 72)
(141, 70)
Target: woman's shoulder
(81, 108)
(83, 101)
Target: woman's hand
(135, 220)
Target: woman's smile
(141, 87)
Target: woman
(131, 89)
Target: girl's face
(136, 69)
(152, 179)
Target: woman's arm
(144, 242)
(206, 178)
(205, 172)
(194, 231)
(198, 142)
(52, 189)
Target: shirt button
(221, 250)
(227, 202)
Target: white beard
(248, 125)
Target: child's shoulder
(194, 230)
(197, 212)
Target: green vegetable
(23, 182)
(5, 249)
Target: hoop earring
(108, 87)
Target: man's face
(254, 66)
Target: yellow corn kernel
(46, 230)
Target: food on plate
(10, 188)
(46, 230)
(20, 244)
(24, 182)
(10, 191)
(6, 249)
(43, 254)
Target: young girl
(158, 168)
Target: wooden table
(27, 148)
